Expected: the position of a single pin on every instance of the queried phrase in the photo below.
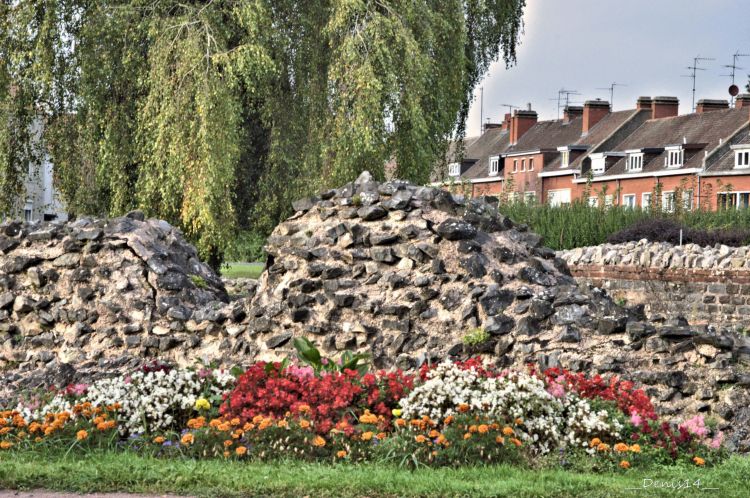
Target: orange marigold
(448, 420)
(368, 418)
(699, 461)
(228, 443)
(500, 440)
(595, 442)
(602, 447)
(81, 435)
(507, 431)
(463, 408)
(621, 447)
(420, 438)
(366, 436)
(226, 454)
(381, 435)
(303, 408)
(240, 450)
(341, 453)
(516, 441)
(400, 422)
(187, 439)
(467, 435)
(159, 440)
(635, 448)
(625, 464)
(519, 421)
(472, 429)
(304, 424)
(483, 429)
(5, 445)
(433, 434)
(319, 442)
(282, 424)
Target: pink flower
(696, 426)
(204, 373)
(301, 372)
(636, 419)
(556, 390)
(717, 440)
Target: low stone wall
(706, 285)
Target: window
(529, 197)
(635, 162)
(674, 158)
(515, 165)
(742, 159)
(28, 211)
(609, 200)
(531, 164)
(494, 165)
(558, 197)
(564, 158)
(523, 164)
(597, 164)
(594, 201)
(454, 169)
(667, 201)
(628, 201)
(646, 200)
(733, 200)
(687, 199)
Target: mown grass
(242, 270)
(126, 471)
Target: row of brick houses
(624, 157)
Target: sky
(585, 45)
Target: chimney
(520, 123)
(643, 103)
(571, 112)
(742, 100)
(506, 121)
(706, 105)
(664, 107)
(593, 112)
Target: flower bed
(448, 414)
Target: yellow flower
(188, 439)
(396, 412)
(636, 448)
(159, 440)
(202, 404)
(341, 453)
(621, 447)
(699, 461)
(81, 435)
(625, 464)
(5, 445)
(240, 450)
(366, 436)
(319, 442)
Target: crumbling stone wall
(706, 285)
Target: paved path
(53, 494)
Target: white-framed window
(598, 164)
(733, 200)
(557, 198)
(609, 200)
(454, 169)
(687, 199)
(494, 165)
(667, 201)
(675, 157)
(646, 200)
(529, 197)
(593, 201)
(635, 162)
(628, 201)
(515, 165)
(28, 211)
(742, 159)
(523, 164)
(531, 164)
(564, 158)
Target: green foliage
(216, 115)
(247, 246)
(476, 337)
(199, 281)
(310, 355)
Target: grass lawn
(124, 471)
(242, 270)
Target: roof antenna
(733, 66)
(510, 107)
(611, 89)
(695, 68)
(567, 94)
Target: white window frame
(634, 162)
(553, 199)
(515, 165)
(564, 158)
(742, 159)
(687, 199)
(593, 201)
(494, 165)
(646, 200)
(675, 157)
(735, 197)
(523, 164)
(529, 196)
(667, 201)
(609, 200)
(28, 211)
(531, 164)
(598, 163)
(454, 169)
(628, 201)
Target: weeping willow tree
(216, 114)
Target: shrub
(246, 247)
(476, 337)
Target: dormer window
(598, 163)
(494, 165)
(675, 157)
(635, 162)
(742, 156)
(564, 158)
(454, 169)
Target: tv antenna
(567, 94)
(611, 89)
(510, 107)
(694, 68)
(734, 67)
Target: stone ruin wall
(705, 285)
